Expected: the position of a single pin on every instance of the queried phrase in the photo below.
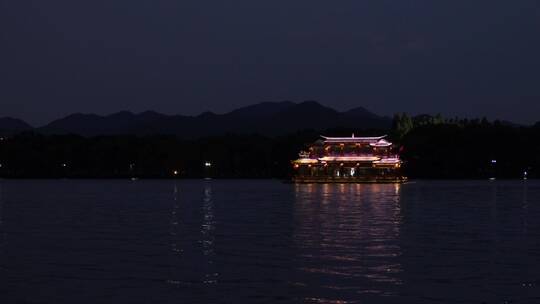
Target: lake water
(239, 241)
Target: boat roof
(352, 139)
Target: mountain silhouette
(10, 126)
(267, 118)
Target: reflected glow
(524, 208)
(348, 234)
(174, 221)
(207, 231)
(1, 209)
(2, 232)
(192, 240)
(192, 246)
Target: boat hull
(349, 180)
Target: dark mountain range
(268, 118)
(91, 124)
(10, 126)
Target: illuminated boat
(349, 160)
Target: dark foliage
(472, 150)
(430, 147)
(33, 155)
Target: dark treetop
(431, 147)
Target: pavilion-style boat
(349, 160)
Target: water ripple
(267, 242)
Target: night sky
(467, 58)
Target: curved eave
(351, 139)
(378, 145)
(387, 162)
(305, 161)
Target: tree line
(437, 147)
(431, 147)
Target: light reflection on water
(262, 241)
(207, 232)
(347, 240)
(193, 252)
(2, 233)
